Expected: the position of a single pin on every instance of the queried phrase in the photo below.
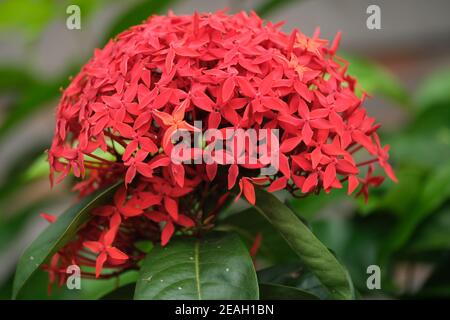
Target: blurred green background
(405, 66)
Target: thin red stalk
(355, 149)
(366, 162)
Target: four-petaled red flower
(104, 247)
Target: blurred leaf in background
(435, 91)
(30, 17)
(27, 16)
(376, 80)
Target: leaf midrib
(197, 269)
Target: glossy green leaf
(315, 256)
(293, 275)
(270, 291)
(355, 241)
(217, 266)
(248, 224)
(57, 235)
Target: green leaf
(433, 235)
(428, 134)
(294, 275)
(315, 256)
(247, 224)
(26, 15)
(14, 78)
(396, 198)
(217, 266)
(436, 191)
(30, 17)
(57, 235)
(270, 291)
(435, 90)
(38, 168)
(374, 79)
(355, 241)
(36, 287)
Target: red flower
(121, 206)
(104, 247)
(169, 228)
(117, 118)
(173, 123)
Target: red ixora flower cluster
(116, 118)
